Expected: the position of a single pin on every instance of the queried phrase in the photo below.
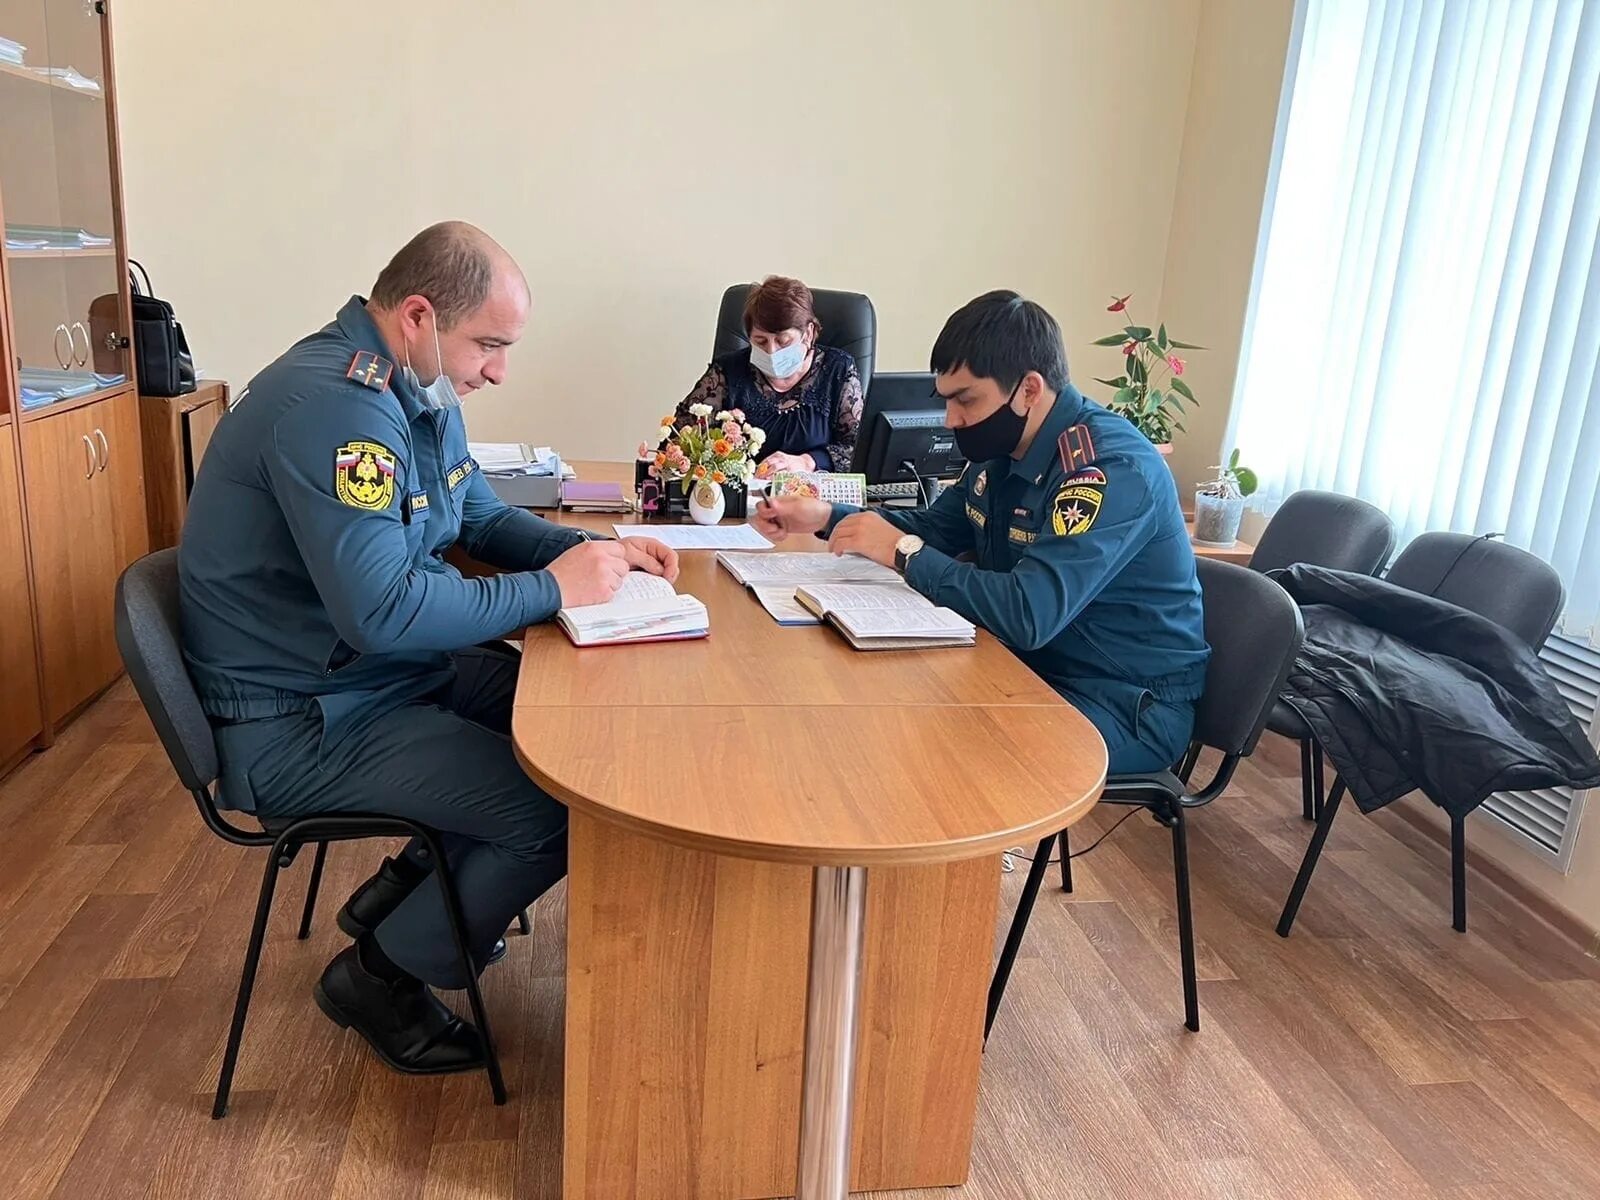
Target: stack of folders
(646, 608)
(878, 616)
(580, 496)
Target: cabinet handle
(77, 326)
(105, 448)
(88, 444)
(66, 363)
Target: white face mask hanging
(441, 393)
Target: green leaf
(1120, 381)
(1246, 477)
(1153, 402)
(1111, 339)
(1177, 345)
(1233, 459)
(1136, 369)
(1173, 400)
(1161, 337)
(1182, 389)
(1178, 425)
(1124, 396)
(1137, 332)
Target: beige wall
(637, 157)
(1239, 57)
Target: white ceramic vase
(706, 503)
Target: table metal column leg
(833, 993)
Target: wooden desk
(720, 927)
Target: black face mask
(996, 435)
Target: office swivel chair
(147, 634)
(849, 323)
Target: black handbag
(160, 350)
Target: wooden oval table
(706, 780)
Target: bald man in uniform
(340, 658)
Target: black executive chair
(848, 321)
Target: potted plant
(1219, 504)
(712, 453)
(1149, 392)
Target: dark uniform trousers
(445, 761)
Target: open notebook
(646, 608)
(880, 616)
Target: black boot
(379, 896)
(405, 1024)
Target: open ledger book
(646, 608)
(880, 616)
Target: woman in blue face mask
(806, 396)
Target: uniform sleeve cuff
(927, 569)
(541, 595)
(839, 513)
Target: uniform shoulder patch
(1076, 447)
(1078, 502)
(363, 475)
(370, 370)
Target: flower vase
(706, 503)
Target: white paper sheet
(796, 569)
(855, 597)
(905, 623)
(782, 607)
(700, 537)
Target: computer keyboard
(893, 491)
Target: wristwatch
(904, 549)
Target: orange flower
(669, 421)
(718, 477)
(699, 472)
(661, 459)
(720, 447)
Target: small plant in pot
(1219, 504)
(1149, 392)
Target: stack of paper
(11, 52)
(646, 608)
(54, 237)
(518, 458)
(69, 76)
(580, 496)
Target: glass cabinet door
(76, 32)
(56, 196)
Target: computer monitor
(903, 438)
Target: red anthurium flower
(1119, 303)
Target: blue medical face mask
(782, 362)
(441, 393)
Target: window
(1425, 322)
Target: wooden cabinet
(176, 431)
(72, 509)
(21, 718)
(86, 521)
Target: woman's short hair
(778, 303)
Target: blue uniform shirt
(1081, 562)
(311, 566)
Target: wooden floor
(1374, 1054)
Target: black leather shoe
(405, 1024)
(379, 896)
(375, 899)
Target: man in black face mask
(1081, 562)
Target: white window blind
(1424, 328)
(1546, 822)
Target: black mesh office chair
(147, 634)
(1254, 631)
(1516, 590)
(1323, 529)
(848, 321)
